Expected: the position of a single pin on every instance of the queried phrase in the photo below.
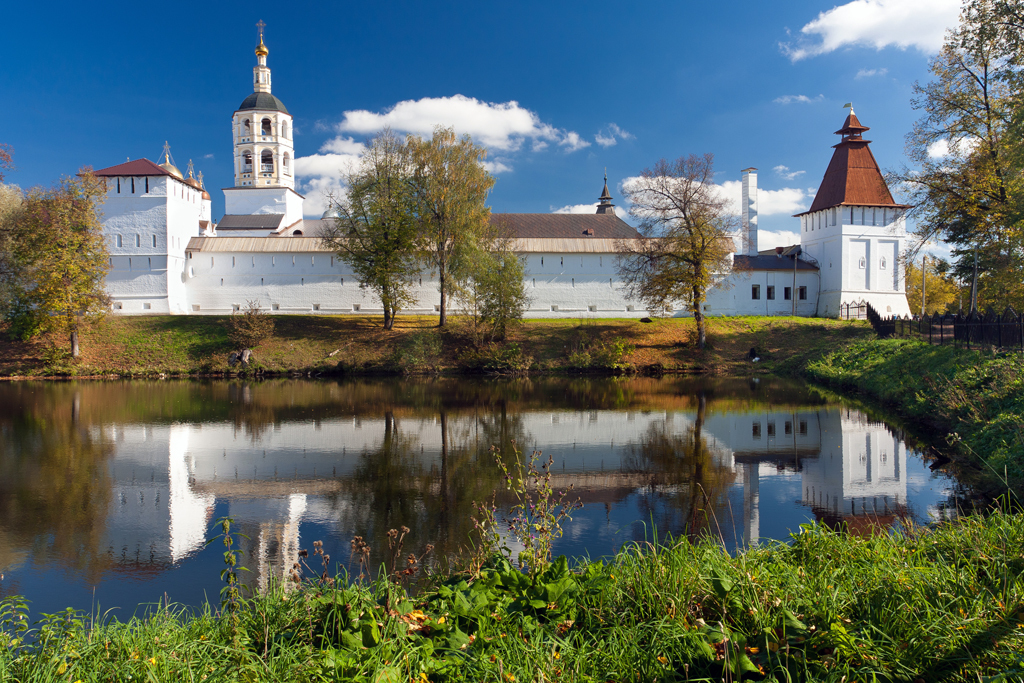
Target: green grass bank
(974, 397)
(943, 603)
(198, 345)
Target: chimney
(748, 209)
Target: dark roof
(139, 167)
(740, 262)
(256, 221)
(852, 176)
(562, 225)
(263, 101)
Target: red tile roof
(139, 167)
(853, 176)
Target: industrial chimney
(748, 209)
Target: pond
(110, 490)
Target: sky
(557, 92)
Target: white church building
(168, 256)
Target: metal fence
(1004, 331)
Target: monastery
(168, 255)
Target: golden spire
(261, 49)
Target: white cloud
(797, 99)
(938, 149)
(495, 125)
(787, 201)
(784, 172)
(943, 148)
(497, 166)
(868, 73)
(573, 142)
(920, 24)
(320, 175)
(208, 156)
(588, 208)
(341, 145)
(611, 135)
(769, 239)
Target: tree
(941, 290)
(6, 162)
(12, 207)
(251, 326)
(685, 240)
(376, 230)
(494, 293)
(60, 258)
(966, 187)
(451, 189)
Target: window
(862, 262)
(118, 305)
(247, 162)
(592, 309)
(119, 186)
(232, 261)
(133, 185)
(802, 292)
(119, 241)
(787, 293)
(266, 127)
(147, 184)
(355, 307)
(275, 307)
(554, 307)
(534, 282)
(882, 263)
(562, 261)
(755, 291)
(147, 307)
(803, 427)
(771, 293)
(756, 430)
(573, 282)
(267, 161)
(542, 260)
(285, 165)
(788, 427)
(771, 429)
(316, 307)
(284, 129)
(154, 240)
(246, 128)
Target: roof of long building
(138, 167)
(304, 244)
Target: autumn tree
(966, 181)
(12, 207)
(685, 242)
(494, 289)
(59, 257)
(450, 187)
(376, 229)
(941, 290)
(6, 160)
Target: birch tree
(451, 188)
(375, 232)
(685, 242)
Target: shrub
(249, 327)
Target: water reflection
(116, 484)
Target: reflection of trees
(689, 487)
(54, 481)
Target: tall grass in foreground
(943, 603)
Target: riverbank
(974, 397)
(942, 603)
(198, 345)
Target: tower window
(285, 165)
(267, 161)
(284, 129)
(265, 127)
(246, 129)
(247, 162)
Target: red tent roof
(139, 167)
(853, 176)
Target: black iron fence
(1004, 330)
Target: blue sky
(558, 91)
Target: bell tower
(264, 156)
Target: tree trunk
(444, 308)
(698, 317)
(389, 318)
(74, 343)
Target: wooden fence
(1004, 331)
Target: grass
(975, 397)
(188, 345)
(944, 603)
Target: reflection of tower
(189, 512)
(278, 544)
(751, 509)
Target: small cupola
(605, 200)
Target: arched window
(247, 162)
(863, 262)
(265, 127)
(285, 165)
(284, 129)
(246, 128)
(267, 161)
(883, 263)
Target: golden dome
(172, 169)
(261, 49)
